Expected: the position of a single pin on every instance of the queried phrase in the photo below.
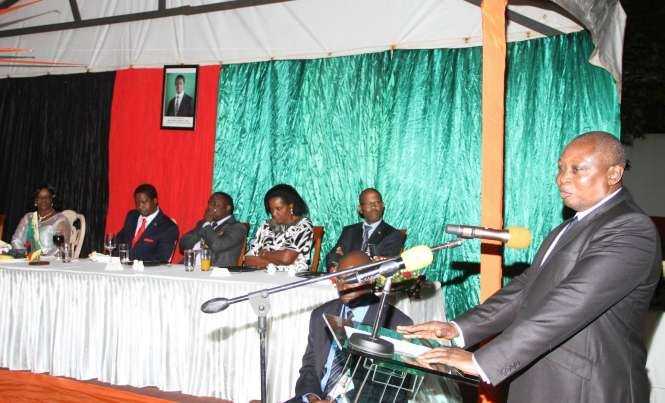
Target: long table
(146, 328)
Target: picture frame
(179, 93)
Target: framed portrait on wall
(179, 97)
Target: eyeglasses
(373, 204)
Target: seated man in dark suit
(387, 240)
(317, 374)
(220, 231)
(150, 234)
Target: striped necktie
(366, 229)
(337, 366)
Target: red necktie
(140, 232)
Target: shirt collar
(218, 223)
(374, 225)
(150, 217)
(581, 214)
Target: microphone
(410, 261)
(215, 305)
(513, 237)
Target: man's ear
(614, 174)
(359, 210)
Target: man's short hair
(147, 189)
(607, 145)
(368, 190)
(179, 76)
(227, 198)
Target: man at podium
(323, 361)
(569, 328)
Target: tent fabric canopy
(278, 31)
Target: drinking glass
(206, 261)
(190, 260)
(123, 252)
(66, 253)
(58, 241)
(109, 243)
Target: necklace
(46, 217)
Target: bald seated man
(569, 328)
(358, 303)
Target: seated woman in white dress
(286, 238)
(36, 228)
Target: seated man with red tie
(323, 361)
(150, 234)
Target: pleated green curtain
(408, 123)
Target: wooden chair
(78, 234)
(243, 247)
(318, 233)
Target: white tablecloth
(146, 329)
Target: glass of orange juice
(206, 259)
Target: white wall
(646, 177)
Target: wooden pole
(493, 99)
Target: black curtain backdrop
(55, 129)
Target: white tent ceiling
(248, 32)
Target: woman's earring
(291, 211)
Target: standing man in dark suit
(357, 302)
(151, 234)
(181, 104)
(387, 240)
(219, 230)
(569, 328)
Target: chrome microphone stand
(261, 304)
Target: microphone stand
(260, 302)
(373, 344)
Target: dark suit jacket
(319, 341)
(388, 240)
(157, 242)
(571, 328)
(186, 107)
(224, 240)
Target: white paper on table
(113, 264)
(138, 265)
(220, 272)
(402, 347)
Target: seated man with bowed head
(219, 230)
(322, 361)
(387, 240)
(150, 234)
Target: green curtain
(407, 123)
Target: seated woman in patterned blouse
(286, 238)
(37, 228)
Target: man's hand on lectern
(429, 330)
(455, 357)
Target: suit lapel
(357, 235)
(570, 235)
(153, 226)
(378, 234)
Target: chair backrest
(2, 224)
(403, 231)
(77, 235)
(317, 233)
(243, 247)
